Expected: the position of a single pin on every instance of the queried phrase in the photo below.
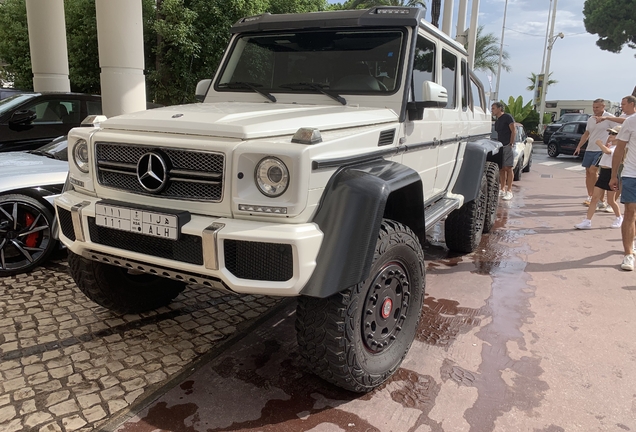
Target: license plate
(150, 223)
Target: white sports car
(28, 183)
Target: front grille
(192, 175)
(188, 249)
(66, 223)
(259, 261)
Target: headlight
(272, 177)
(80, 155)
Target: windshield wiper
(249, 85)
(318, 87)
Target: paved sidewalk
(67, 364)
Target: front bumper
(242, 256)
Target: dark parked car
(30, 120)
(8, 92)
(565, 140)
(565, 118)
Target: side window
(93, 108)
(569, 128)
(56, 111)
(423, 66)
(465, 90)
(449, 77)
(582, 128)
(477, 96)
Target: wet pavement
(533, 332)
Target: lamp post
(552, 39)
(503, 29)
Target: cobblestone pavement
(67, 364)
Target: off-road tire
(336, 335)
(492, 176)
(464, 226)
(22, 252)
(527, 167)
(517, 170)
(115, 289)
(553, 150)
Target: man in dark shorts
(505, 128)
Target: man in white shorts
(626, 140)
(593, 132)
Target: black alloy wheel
(26, 240)
(553, 150)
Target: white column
(447, 19)
(461, 35)
(47, 43)
(472, 35)
(121, 56)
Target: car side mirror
(529, 140)
(433, 96)
(22, 117)
(202, 89)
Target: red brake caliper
(31, 239)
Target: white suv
(326, 146)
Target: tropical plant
(517, 109)
(487, 52)
(533, 79)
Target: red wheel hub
(387, 307)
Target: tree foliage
(183, 41)
(614, 21)
(487, 52)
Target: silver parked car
(28, 183)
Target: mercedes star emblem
(152, 172)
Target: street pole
(537, 94)
(547, 67)
(503, 29)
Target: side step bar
(438, 211)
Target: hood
(247, 120)
(24, 170)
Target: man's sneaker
(587, 201)
(628, 263)
(617, 222)
(601, 206)
(586, 224)
(507, 196)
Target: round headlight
(80, 155)
(272, 177)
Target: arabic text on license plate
(139, 221)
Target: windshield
(336, 61)
(11, 102)
(572, 117)
(56, 149)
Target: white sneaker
(587, 201)
(586, 224)
(507, 196)
(501, 192)
(617, 222)
(609, 209)
(601, 206)
(628, 263)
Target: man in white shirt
(626, 140)
(628, 107)
(593, 132)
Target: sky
(582, 69)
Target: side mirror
(202, 89)
(529, 140)
(433, 96)
(22, 117)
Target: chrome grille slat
(193, 175)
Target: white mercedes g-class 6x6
(326, 146)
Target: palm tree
(487, 52)
(533, 79)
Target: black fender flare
(352, 207)
(476, 155)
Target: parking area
(67, 364)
